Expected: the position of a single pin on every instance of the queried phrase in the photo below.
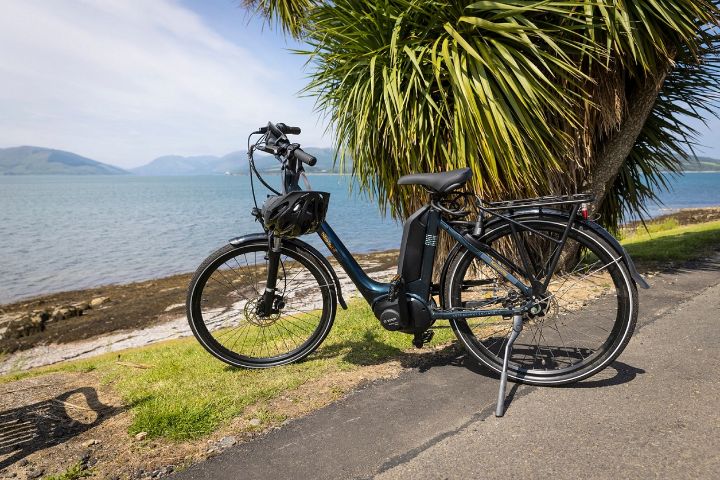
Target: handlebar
(304, 157)
(278, 144)
(291, 156)
(278, 129)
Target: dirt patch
(126, 307)
(52, 422)
(49, 422)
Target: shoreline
(684, 216)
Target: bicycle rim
(223, 298)
(590, 316)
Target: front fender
(251, 237)
(299, 244)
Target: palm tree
(537, 97)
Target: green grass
(657, 227)
(75, 472)
(185, 393)
(666, 242)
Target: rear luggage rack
(577, 203)
(562, 200)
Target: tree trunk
(616, 149)
(614, 152)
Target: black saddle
(438, 182)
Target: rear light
(584, 211)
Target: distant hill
(325, 157)
(47, 161)
(703, 164)
(178, 165)
(234, 162)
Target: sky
(126, 81)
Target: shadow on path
(617, 373)
(30, 428)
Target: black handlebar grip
(305, 157)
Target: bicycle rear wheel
(223, 297)
(591, 313)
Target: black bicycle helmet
(295, 213)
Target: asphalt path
(655, 413)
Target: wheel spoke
(229, 316)
(586, 298)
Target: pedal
(422, 338)
(394, 290)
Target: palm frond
(290, 15)
(526, 93)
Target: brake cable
(253, 170)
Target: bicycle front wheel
(224, 294)
(591, 304)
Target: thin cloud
(124, 81)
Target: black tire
(223, 293)
(592, 314)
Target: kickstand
(516, 329)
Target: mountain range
(30, 160)
(48, 161)
(703, 164)
(234, 162)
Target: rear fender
(300, 245)
(559, 215)
(595, 228)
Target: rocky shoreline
(24, 324)
(70, 316)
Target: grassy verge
(178, 391)
(669, 242)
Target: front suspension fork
(265, 305)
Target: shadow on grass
(40, 425)
(364, 351)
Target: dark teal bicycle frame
(374, 291)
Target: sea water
(60, 233)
